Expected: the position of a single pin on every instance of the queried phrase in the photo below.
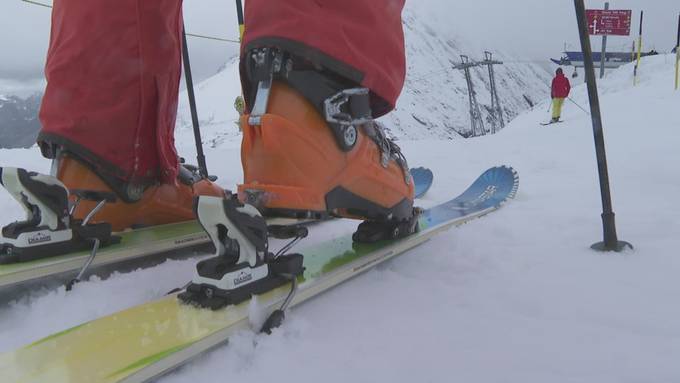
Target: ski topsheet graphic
(149, 340)
(137, 248)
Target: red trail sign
(609, 22)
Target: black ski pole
(241, 23)
(200, 157)
(611, 242)
(579, 106)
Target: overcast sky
(535, 29)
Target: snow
(515, 296)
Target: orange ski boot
(293, 165)
(159, 204)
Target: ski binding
(242, 265)
(49, 229)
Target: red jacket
(560, 87)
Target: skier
(560, 90)
(310, 145)
(109, 109)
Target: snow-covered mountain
(433, 105)
(19, 122)
(434, 102)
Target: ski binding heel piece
(48, 229)
(374, 231)
(242, 265)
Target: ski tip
(515, 183)
(421, 172)
(506, 176)
(423, 178)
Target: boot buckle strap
(349, 107)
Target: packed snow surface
(516, 296)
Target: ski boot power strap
(344, 106)
(242, 265)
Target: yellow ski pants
(557, 107)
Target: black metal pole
(677, 58)
(639, 50)
(241, 23)
(611, 242)
(200, 157)
(678, 43)
(642, 17)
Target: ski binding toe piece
(242, 265)
(49, 229)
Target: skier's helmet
(559, 71)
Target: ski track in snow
(515, 296)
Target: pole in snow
(611, 242)
(604, 47)
(677, 58)
(632, 53)
(200, 157)
(639, 51)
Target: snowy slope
(434, 103)
(516, 296)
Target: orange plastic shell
(294, 159)
(160, 204)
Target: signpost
(608, 22)
(611, 241)
(603, 59)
